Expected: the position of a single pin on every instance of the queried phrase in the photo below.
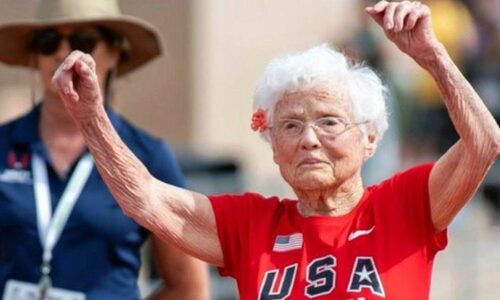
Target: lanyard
(50, 228)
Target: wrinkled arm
(458, 173)
(178, 216)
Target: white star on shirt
(364, 275)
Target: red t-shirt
(383, 249)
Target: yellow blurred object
(454, 27)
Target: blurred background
(198, 97)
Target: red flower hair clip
(259, 122)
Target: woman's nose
(309, 138)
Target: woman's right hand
(76, 82)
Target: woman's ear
(275, 159)
(273, 148)
(370, 141)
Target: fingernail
(388, 25)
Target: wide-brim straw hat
(143, 41)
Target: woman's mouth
(310, 162)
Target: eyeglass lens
(329, 125)
(47, 42)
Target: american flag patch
(290, 242)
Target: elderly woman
(323, 119)
(55, 209)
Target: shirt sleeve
(411, 190)
(232, 215)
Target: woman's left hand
(408, 25)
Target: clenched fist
(78, 86)
(408, 25)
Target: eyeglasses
(47, 41)
(330, 126)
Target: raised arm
(457, 175)
(178, 216)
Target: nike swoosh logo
(359, 233)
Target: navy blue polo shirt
(98, 252)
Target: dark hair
(111, 37)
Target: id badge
(19, 290)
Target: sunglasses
(47, 41)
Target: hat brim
(144, 42)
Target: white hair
(323, 65)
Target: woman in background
(61, 231)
